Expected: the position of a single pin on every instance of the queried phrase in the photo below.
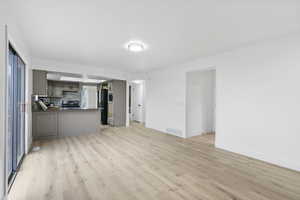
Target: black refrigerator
(104, 106)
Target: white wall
(2, 108)
(257, 99)
(200, 102)
(258, 102)
(165, 101)
(3, 12)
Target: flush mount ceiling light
(135, 46)
(137, 81)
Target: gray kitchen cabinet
(119, 102)
(78, 122)
(53, 124)
(45, 124)
(40, 82)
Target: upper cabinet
(40, 84)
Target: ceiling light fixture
(138, 81)
(135, 46)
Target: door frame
(211, 68)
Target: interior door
(138, 102)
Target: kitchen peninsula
(63, 108)
(65, 122)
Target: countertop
(67, 109)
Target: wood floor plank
(137, 163)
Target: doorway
(16, 113)
(201, 104)
(137, 101)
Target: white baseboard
(259, 156)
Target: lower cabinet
(52, 124)
(44, 124)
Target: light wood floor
(137, 163)
(206, 138)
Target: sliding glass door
(16, 111)
(10, 113)
(20, 133)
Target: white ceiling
(93, 32)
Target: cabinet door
(39, 82)
(119, 103)
(45, 124)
